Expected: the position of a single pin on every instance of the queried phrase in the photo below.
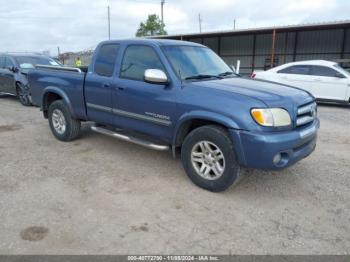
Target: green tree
(153, 26)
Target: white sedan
(326, 80)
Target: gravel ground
(98, 195)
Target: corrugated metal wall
(254, 50)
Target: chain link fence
(68, 59)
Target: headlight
(271, 116)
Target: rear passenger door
(328, 84)
(7, 80)
(298, 76)
(99, 84)
(8, 77)
(2, 69)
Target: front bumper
(258, 149)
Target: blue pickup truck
(167, 94)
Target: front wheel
(23, 94)
(209, 158)
(63, 126)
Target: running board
(131, 139)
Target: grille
(306, 114)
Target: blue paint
(226, 101)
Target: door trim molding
(130, 114)
(98, 107)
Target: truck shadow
(161, 166)
(9, 97)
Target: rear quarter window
(296, 70)
(323, 71)
(106, 59)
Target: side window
(8, 63)
(296, 70)
(323, 71)
(138, 58)
(106, 59)
(2, 61)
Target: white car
(326, 80)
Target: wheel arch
(52, 94)
(194, 120)
(17, 82)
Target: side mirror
(156, 76)
(13, 69)
(339, 75)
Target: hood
(272, 94)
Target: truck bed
(64, 81)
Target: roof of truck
(160, 42)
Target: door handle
(106, 85)
(119, 88)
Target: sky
(75, 25)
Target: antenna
(109, 21)
(200, 23)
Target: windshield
(28, 62)
(347, 73)
(191, 61)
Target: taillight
(253, 75)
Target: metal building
(256, 48)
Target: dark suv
(13, 73)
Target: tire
(63, 126)
(214, 137)
(23, 94)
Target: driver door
(143, 107)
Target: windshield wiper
(228, 73)
(203, 77)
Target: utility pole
(273, 48)
(200, 23)
(234, 24)
(109, 22)
(58, 51)
(162, 2)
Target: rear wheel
(62, 124)
(209, 158)
(23, 94)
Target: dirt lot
(100, 195)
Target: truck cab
(172, 94)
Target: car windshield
(195, 62)
(28, 62)
(347, 73)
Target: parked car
(13, 73)
(166, 94)
(326, 80)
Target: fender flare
(59, 92)
(202, 115)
